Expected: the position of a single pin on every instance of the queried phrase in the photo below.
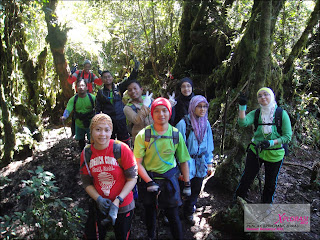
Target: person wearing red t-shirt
(85, 74)
(107, 180)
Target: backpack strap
(188, 126)
(88, 153)
(277, 122)
(74, 102)
(117, 151)
(278, 119)
(79, 75)
(148, 136)
(91, 100)
(256, 118)
(134, 108)
(175, 137)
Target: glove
(74, 69)
(103, 204)
(152, 186)
(187, 189)
(172, 100)
(265, 144)
(112, 216)
(147, 99)
(243, 99)
(136, 64)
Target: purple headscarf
(199, 124)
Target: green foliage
(305, 123)
(47, 216)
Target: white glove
(172, 99)
(147, 99)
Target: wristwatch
(120, 199)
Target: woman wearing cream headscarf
(108, 179)
(268, 140)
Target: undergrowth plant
(47, 216)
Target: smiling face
(134, 91)
(264, 98)
(201, 109)
(186, 89)
(101, 134)
(161, 115)
(107, 78)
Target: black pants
(189, 204)
(120, 131)
(94, 229)
(250, 172)
(174, 221)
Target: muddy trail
(60, 155)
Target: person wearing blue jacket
(196, 131)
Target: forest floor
(60, 155)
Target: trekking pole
(258, 175)
(64, 127)
(157, 209)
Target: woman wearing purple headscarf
(197, 133)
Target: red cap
(161, 101)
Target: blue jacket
(201, 155)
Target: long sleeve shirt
(201, 154)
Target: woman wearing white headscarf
(268, 140)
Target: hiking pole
(158, 212)
(258, 175)
(64, 127)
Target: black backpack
(130, 124)
(84, 117)
(188, 127)
(277, 122)
(148, 136)
(88, 153)
(90, 79)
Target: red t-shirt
(108, 175)
(85, 76)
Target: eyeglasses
(202, 106)
(263, 95)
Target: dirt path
(61, 157)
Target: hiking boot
(189, 219)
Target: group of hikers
(171, 150)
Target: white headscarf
(267, 111)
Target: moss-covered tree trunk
(57, 38)
(8, 134)
(189, 11)
(31, 73)
(203, 43)
(263, 56)
(249, 66)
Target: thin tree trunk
(154, 32)
(154, 67)
(263, 55)
(301, 43)
(57, 38)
